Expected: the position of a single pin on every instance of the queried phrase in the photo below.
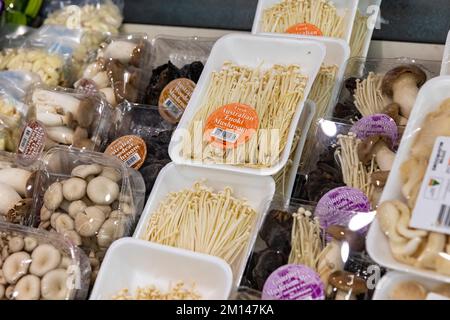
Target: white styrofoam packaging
(258, 191)
(430, 97)
(393, 278)
(252, 51)
(132, 263)
(347, 7)
(370, 8)
(445, 70)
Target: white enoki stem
(203, 221)
(359, 35)
(321, 13)
(368, 96)
(354, 172)
(306, 241)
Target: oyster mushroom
(443, 264)
(388, 216)
(53, 196)
(84, 171)
(16, 266)
(28, 288)
(409, 290)
(45, 258)
(435, 245)
(87, 223)
(54, 285)
(376, 146)
(103, 191)
(404, 251)
(11, 203)
(403, 223)
(412, 173)
(402, 85)
(74, 189)
(19, 179)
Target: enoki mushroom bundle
(176, 292)
(203, 221)
(359, 35)
(274, 94)
(354, 172)
(368, 96)
(321, 13)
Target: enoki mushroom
(354, 172)
(274, 94)
(321, 13)
(359, 35)
(176, 292)
(203, 221)
(368, 96)
(307, 244)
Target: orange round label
(306, 29)
(131, 150)
(231, 125)
(174, 99)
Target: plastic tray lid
(252, 51)
(342, 5)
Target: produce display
(161, 168)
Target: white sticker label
(435, 296)
(432, 211)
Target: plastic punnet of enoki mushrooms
(274, 94)
(201, 220)
(423, 249)
(359, 35)
(369, 98)
(321, 13)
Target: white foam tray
(430, 97)
(130, 263)
(393, 278)
(251, 51)
(341, 5)
(258, 191)
(445, 70)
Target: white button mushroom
(2, 291)
(64, 222)
(73, 237)
(89, 222)
(111, 230)
(28, 288)
(83, 171)
(76, 207)
(53, 196)
(30, 244)
(54, 285)
(74, 189)
(45, 214)
(16, 244)
(103, 191)
(15, 266)
(45, 258)
(111, 173)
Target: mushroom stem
(405, 93)
(16, 178)
(62, 135)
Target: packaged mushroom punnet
(16, 188)
(40, 265)
(177, 63)
(90, 198)
(306, 17)
(318, 245)
(411, 232)
(140, 137)
(13, 112)
(206, 210)
(374, 86)
(66, 117)
(120, 70)
(237, 127)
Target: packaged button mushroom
(140, 137)
(120, 71)
(389, 86)
(307, 17)
(177, 63)
(71, 118)
(317, 242)
(40, 265)
(411, 232)
(13, 112)
(90, 198)
(17, 183)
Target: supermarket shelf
(378, 49)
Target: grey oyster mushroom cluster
(30, 270)
(88, 209)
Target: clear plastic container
(91, 214)
(70, 117)
(64, 275)
(258, 191)
(445, 69)
(359, 68)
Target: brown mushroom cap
(355, 241)
(379, 178)
(393, 75)
(366, 148)
(347, 281)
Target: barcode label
(135, 158)
(224, 135)
(173, 108)
(25, 139)
(444, 216)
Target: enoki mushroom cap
(393, 75)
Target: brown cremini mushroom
(379, 178)
(376, 146)
(393, 110)
(346, 286)
(355, 241)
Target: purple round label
(293, 282)
(377, 124)
(340, 205)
